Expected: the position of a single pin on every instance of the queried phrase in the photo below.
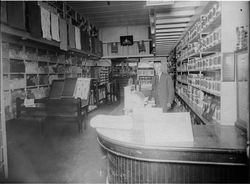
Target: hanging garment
(63, 34)
(71, 33)
(114, 48)
(54, 27)
(45, 19)
(34, 14)
(77, 38)
(16, 14)
(85, 40)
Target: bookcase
(28, 70)
(205, 68)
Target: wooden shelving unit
(206, 39)
(47, 61)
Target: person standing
(162, 87)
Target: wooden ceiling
(113, 13)
(168, 22)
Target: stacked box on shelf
(43, 79)
(16, 51)
(61, 58)
(211, 40)
(38, 93)
(145, 76)
(43, 68)
(42, 55)
(17, 81)
(30, 53)
(242, 37)
(52, 56)
(31, 67)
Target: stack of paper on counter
(112, 122)
(168, 127)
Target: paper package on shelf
(31, 67)
(17, 83)
(168, 127)
(112, 122)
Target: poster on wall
(228, 68)
(82, 88)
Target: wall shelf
(196, 110)
(213, 25)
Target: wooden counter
(217, 154)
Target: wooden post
(2, 112)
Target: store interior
(83, 97)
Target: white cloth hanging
(45, 22)
(55, 27)
(77, 38)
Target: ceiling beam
(185, 4)
(169, 30)
(165, 41)
(168, 44)
(171, 26)
(169, 34)
(183, 13)
(167, 37)
(110, 16)
(172, 20)
(102, 4)
(164, 45)
(102, 11)
(121, 19)
(125, 23)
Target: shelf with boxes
(203, 56)
(104, 72)
(30, 17)
(144, 76)
(30, 70)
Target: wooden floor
(62, 155)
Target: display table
(217, 154)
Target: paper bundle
(112, 122)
